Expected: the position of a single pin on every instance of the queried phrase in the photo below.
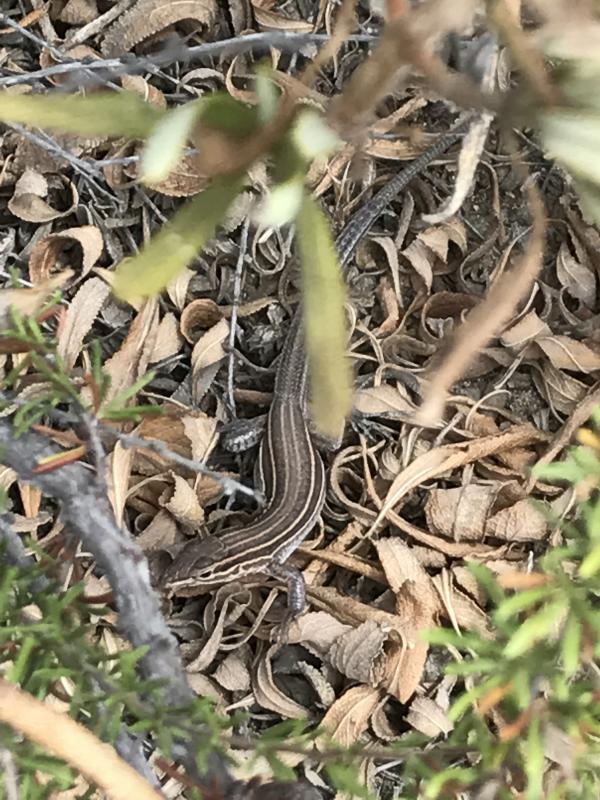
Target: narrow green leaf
(591, 563)
(108, 114)
(346, 779)
(520, 601)
(534, 762)
(165, 144)
(571, 645)
(463, 775)
(282, 203)
(534, 629)
(312, 136)
(177, 243)
(324, 319)
(572, 138)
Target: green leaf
(165, 144)
(107, 114)
(534, 762)
(534, 629)
(520, 601)
(591, 563)
(282, 203)
(323, 293)
(345, 779)
(558, 471)
(436, 784)
(177, 243)
(571, 645)
(572, 138)
(312, 136)
(267, 93)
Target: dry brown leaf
(83, 245)
(522, 522)
(148, 93)
(271, 21)
(358, 654)
(149, 17)
(562, 390)
(200, 430)
(79, 318)
(233, 672)
(197, 317)
(27, 202)
(427, 717)
(462, 610)
(416, 605)
(181, 501)
(567, 353)
(207, 356)
(168, 339)
(386, 400)
(390, 305)
(185, 179)
(448, 457)
(317, 628)
(78, 12)
(348, 718)
(231, 601)
(526, 330)
(28, 301)
(172, 429)
(577, 278)
(31, 498)
(161, 533)
(177, 289)
(268, 695)
(421, 259)
(120, 461)
(460, 513)
(130, 362)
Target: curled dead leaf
(55, 251)
(149, 17)
(199, 316)
(28, 203)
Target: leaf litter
(409, 506)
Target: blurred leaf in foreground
(324, 321)
(176, 244)
(108, 114)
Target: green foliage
(49, 645)
(534, 678)
(102, 114)
(56, 385)
(324, 294)
(178, 242)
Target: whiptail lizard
(293, 474)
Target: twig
(45, 45)
(88, 516)
(57, 733)
(85, 169)
(229, 485)
(281, 40)
(127, 745)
